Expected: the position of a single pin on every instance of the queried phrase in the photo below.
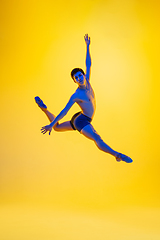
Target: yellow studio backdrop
(62, 186)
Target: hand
(87, 39)
(46, 128)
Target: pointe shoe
(124, 158)
(40, 103)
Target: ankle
(116, 154)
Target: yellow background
(62, 186)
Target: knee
(56, 127)
(98, 140)
(100, 143)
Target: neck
(83, 86)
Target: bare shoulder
(74, 96)
(78, 95)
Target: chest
(86, 95)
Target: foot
(122, 157)
(40, 103)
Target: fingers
(87, 39)
(44, 130)
(86, 36)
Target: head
(78, 75)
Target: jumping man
(81, 121)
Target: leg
(66, 126)
(89, 132)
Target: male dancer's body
(84, 96)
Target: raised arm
(88, 57)
(48, 128)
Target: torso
(86, 100)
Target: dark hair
(75, 70)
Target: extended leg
(65, 126)
(89, 132)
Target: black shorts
(79, 121)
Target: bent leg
(89, 132)
(59, 127)
(65, 126)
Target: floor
(30, 222)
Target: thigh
(65, 126)
(89, 132)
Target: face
(79, 78)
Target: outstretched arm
(88, 57)
(48, 128)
